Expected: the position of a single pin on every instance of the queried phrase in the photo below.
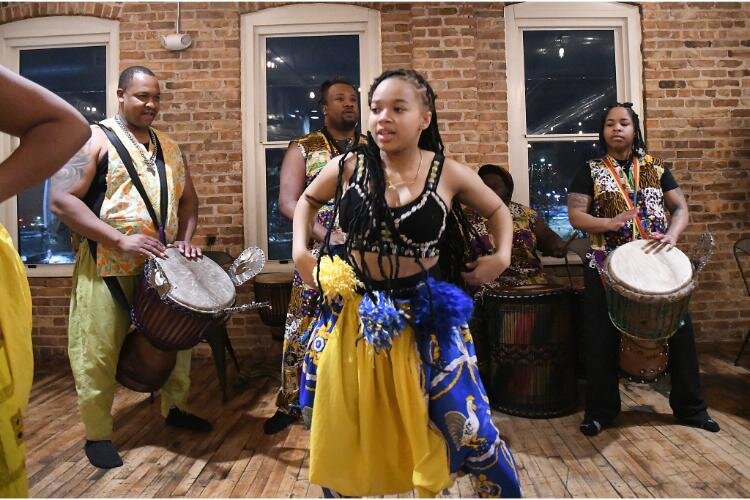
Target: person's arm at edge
(50, 132)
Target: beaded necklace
(150, 161)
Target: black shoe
(102, 454)
(185, 420)
(278, 422)
(707, 423)
(591, 427)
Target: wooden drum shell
(533, 351)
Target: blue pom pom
(441, 307)
(381, 319)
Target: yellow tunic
(16, 367)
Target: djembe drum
(176, 302)
(275, 288)
(532, 364)
(648, 290)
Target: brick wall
(696, 61)
(696, 81)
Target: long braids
(374, 215)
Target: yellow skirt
(391, 445)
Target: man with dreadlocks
(391, 365)
(304, 159)
(606, 194)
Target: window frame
(289, 20)
(54, 32)
(623, 19)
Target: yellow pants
(16, 368)
(96, 332)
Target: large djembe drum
(177, 301)
(648, 291)
(532, 361)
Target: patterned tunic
(525, 267)
(124, 209)
(317, 151)
(609, 200)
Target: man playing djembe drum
(94, 195)
(611, 198)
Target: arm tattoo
(73, 170)
(579, 201)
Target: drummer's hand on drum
(621, 219)
(485, 269)
(187, 249)
(140, 244)
(665, 239)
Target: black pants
(602, 342)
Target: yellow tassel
(336, 278)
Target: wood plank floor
(647, 455)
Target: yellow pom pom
(336, 278)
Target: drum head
(200, 285)
(639, 266)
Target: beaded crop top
(420, 223)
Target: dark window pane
(569, 78)
(78, 75)
(279, 227)
(552, 166)
(295, 68)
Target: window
(80, 68)
(287, 53)
(566, 63)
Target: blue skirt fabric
(457, 402)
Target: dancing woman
(391, 365)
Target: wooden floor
(646, 455)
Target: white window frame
(49, 32)
(626, 23)
(302, 20)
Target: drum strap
(631, 204)
(111, 281)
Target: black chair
(742, 245)
(218, 337)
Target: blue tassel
(381, 320)
(440, 307)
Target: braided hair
(639, 145)
(374, 213)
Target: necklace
(149, 160)
(340, 145)
(391, 185)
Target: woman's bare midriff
(406, 265)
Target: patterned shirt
(525, 267)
